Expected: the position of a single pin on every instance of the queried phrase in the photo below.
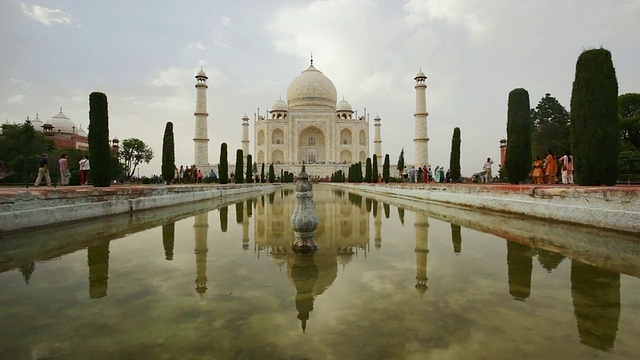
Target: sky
(144, 54)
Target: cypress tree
(168, 154)
(400, 166)
(367, 171)
(281, 175)
(595, 126)
(99, 150)
(454, 161)
(223, 168)
(519, 129)
(239, 167)
(359, 170)
(350, 174)
(262, 173)
(249, 177)
(385, 169)
(272, 174)
(374, 169)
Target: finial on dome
(60, 108)
(312, 58)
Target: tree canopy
(20, 146)
(550, 127)
(134, 152)
(519, 127)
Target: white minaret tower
(377, 143)
(201, 138)
(421, 138)
(245, 138)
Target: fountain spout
(304, 220)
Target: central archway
(311, 146)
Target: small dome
(81, 131)
(37, 123)
(343, 105)
(377, 118)
(62, 123)
(311, 89)
(279, 105)
(201, 73)
(420, 74)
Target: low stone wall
(614, 208)
(28, 208)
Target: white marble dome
(279, 105)
(61, 123)
(37, 124)
(343, 105)
(312, 89)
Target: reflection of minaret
(377, 142)
(168, 238)
(421, 227)
(456, 238)
(224, 212)
(245, 138)
(201, 138)
(200, 229)
(98, 261)
(304, 274)
(245, 226)
(596, 304)
(377, 225)
(519, 267)
(421, 139)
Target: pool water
(387, 282)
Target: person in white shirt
(487, 170)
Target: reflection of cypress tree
(304, 273)
(596, 304)
(249, 208)
(98, 261)
(368, 201)
(387, 210)
(519, 267)
(456, 238)
(401, 215)
(272, 197)
(168, 238)
(239, 212)
(549, 259)
(262, 200)
(375, 209)
(26, 271)
(224, 212)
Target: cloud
(218, 39)
(23, 84)
(226, 21)
(15, 99)
(49, 16)
(197, 46)
(451, 11)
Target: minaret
(421, 139)
(377, 226)
(201, 138)
(378, 141)
(200, 229)
(422, 249)
(245, 139)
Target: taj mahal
(311, 127)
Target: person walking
(84, 170)
(43, 170)
(552, 167)
(537, 174)
(567, 168)
(487, 170)
(65, 173)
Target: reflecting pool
(389, 281)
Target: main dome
(311, 89)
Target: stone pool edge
(600, 207)
(31, 208)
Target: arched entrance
(311, 146)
